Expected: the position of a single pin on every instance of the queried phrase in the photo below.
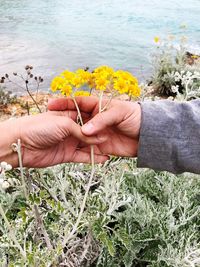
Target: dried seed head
(31, 67)
(26, 81)
(35, 78)
(15, 73)
(31, 75)
(6, 75)
(27, 67)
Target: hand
(120, 123)
(47, 139)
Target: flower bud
(5, 185)
(5, 166)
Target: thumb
(102, 120)
(69, 127)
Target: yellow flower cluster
(102, 78)
(82, 93)
(67, 81)
(126, 83)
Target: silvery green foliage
(189, 81)
(4, 183)
(132, 217)
(176, 73)
(6, 97)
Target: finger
(85, 157)
(72, 114)
(86, 104)
(101, 121)
(68, 127)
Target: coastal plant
(133, 217)
(176, 71)
(28, 79)
(117, 216)
(188, 81)
(7, 97)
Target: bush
(132, 217)
(6, 97)
(176, 72)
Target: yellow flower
(121, 86)
(134, 90)
(91, 81)
(195, 56)
(83, 75)
(77, 82)
(125, 75)
(104, 69)
(68, 75)
(82, 93)
(66, 90)
(57, 83)
(156, 39)
(101, 83)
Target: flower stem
(100, 101)
(75, 227)
(78, 110)
(17, 148)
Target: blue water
(56, 34)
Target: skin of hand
(120, 123)
(47, 139)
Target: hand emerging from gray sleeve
(165, 135)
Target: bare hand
(120, 123)
(50, 138)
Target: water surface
(54, 35)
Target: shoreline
(24, 105)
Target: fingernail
(88, 127)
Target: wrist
(9, 135)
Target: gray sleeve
(170, 136)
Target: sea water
(53, 35)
